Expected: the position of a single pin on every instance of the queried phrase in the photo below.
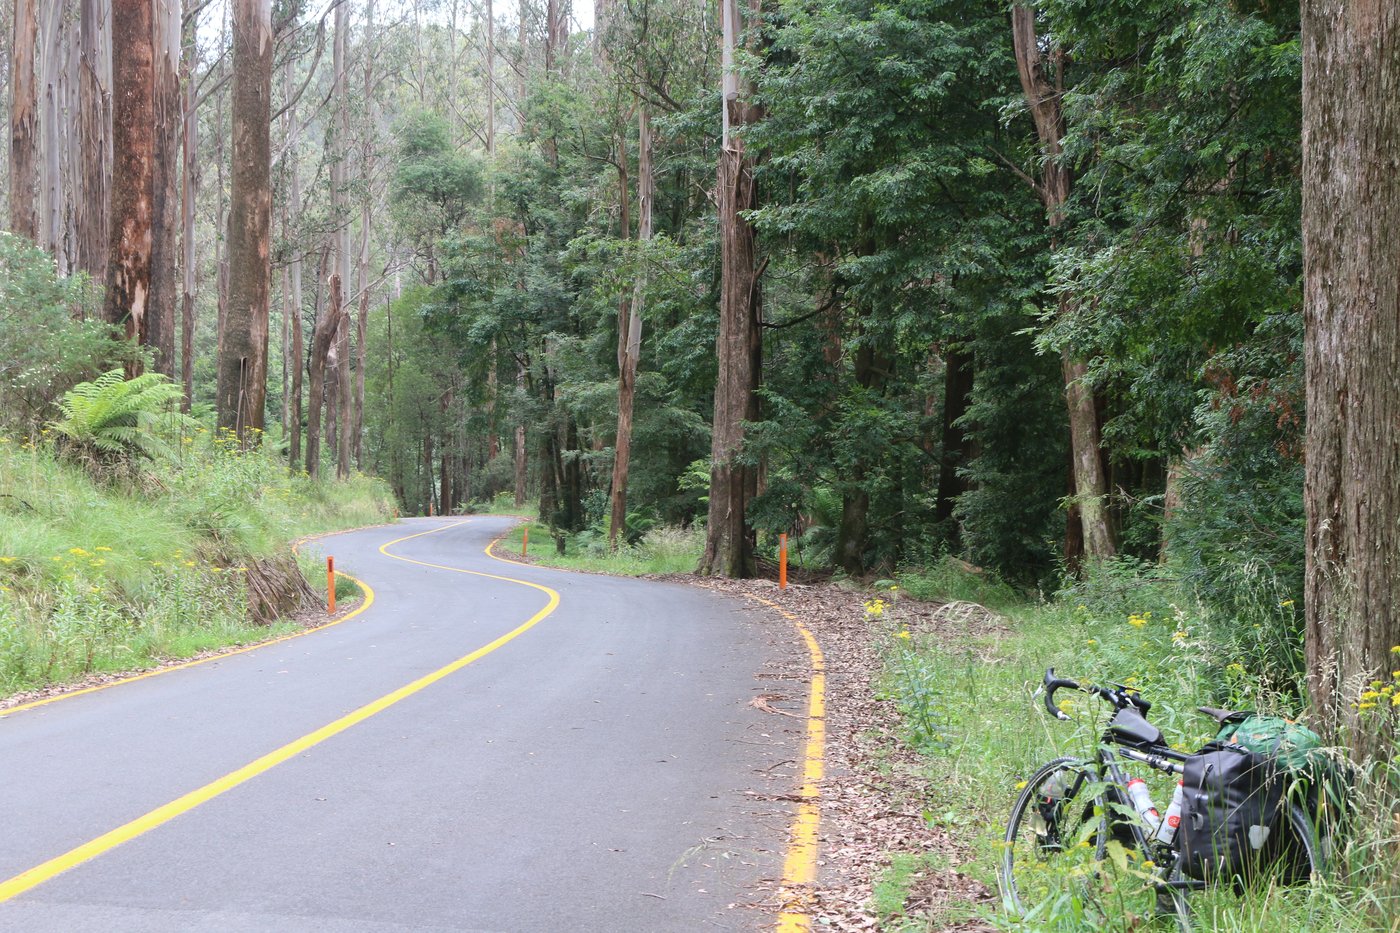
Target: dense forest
(1020, 285)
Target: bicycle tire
(1036, 870)
(1019, 895)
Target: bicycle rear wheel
(1292, 868)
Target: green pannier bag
(1295, 749)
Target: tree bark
(629, 332)
(220, 200)
(1043, 97)
(340, 214)
(729, 541)
(321, 338)
(367, 174)
(159, 332)
(292, 300)
(242, 385)
(957, 398)
(522, 472)
(1351, 295)
(94, 90)
(189, 191)
(133, 150)
(24, 106)
(54, 128)
(445, 455)
(871, 372)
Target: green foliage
(50, 335)
(662, 549)
(953, 580)
(1126, 623)
(112, 577)
(434, 186)
(114, 418)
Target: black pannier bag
(1231, 806)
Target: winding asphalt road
(588, 774)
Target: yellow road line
(164, 814)
(800, 866)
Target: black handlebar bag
(1230, 808)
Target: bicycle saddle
(1224, 716)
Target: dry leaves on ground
(872, 798)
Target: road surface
(586, 772)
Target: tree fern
(113, 417)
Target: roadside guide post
(782, 561)
(525, 541)
(330, 585)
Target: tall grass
(107, 576)
(971, 708)
(661, 550)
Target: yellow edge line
(68, 695)
(800, 866)
(164, 814)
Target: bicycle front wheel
(1054, 839)
(1074, 856)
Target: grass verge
(972, 711)
(661, 550)
(101, 575)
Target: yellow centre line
(164, 814)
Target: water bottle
(1167, 831)
(1142, 802)
(1044, 817)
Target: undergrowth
(664, 549)
(100, 576)
(971, 708)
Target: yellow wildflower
(7, 560)
(1138, 621)
(1285, 604)
(77, 552)
(1092, 642)
(101, 548)
(1395, 700)
(1021, 785)
(903, 635)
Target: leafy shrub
(1238, 540)
(50, 336)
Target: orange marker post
(525, 542)
(782, 561)
(330, 585)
